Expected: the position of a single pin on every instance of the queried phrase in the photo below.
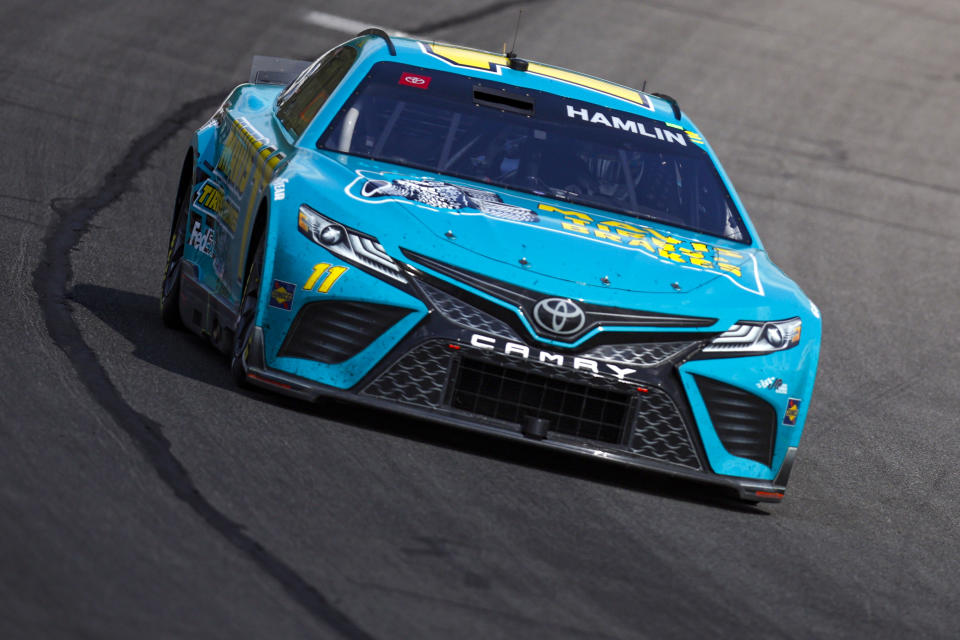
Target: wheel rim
(175, 250)
(248, 306)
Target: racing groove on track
(50, 281)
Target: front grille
(660, 433)
(512, 395)
(745, 423)
(466, 315)
(576, 404)
(334, 331)
(640, 355)
(418, 377)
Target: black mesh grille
(335, 331)
(512, 395)
(745, 424)
(416, 378)
(648, 424)
(641, 355)
(466, 315)
(660, 433)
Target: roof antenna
(643, 89)
(518, 64)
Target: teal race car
(495, 244)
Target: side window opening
(301, 101)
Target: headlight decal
(748, 338)
(357, 248)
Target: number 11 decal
(333, 274)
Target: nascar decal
(331, 278)
(739, 269)
(634, 126)
(792, 412)
(443, 195)
(519, 350)
(281, 294)
(461, 57)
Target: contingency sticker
(793, 410)
(281, 294)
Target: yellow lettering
(729, 268)
(696, 257)
(667, 252)
(663, 238)
(641, 242)
(579, 228)
(723, 253)
(606, 235)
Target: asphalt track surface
(142, 495)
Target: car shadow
(136, 317)
(521, 453)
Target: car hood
(534, 234)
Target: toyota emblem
(561, 316)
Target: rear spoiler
(269, 70)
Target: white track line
(341, 24)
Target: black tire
(170, 291)
(247, 315)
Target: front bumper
(436, 379)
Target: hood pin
(450, 235)
(523, 261)
(605, 280)
(675, 285)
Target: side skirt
(205, 313)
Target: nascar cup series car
(494, 244)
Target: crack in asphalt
(470, 16)
(50, 281)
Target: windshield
(534, 142)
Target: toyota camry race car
(494, 244)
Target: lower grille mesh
(417, 378)
(508, 394)
(660, 433)
(578, 405)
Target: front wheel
(170, 293)
(247, 317)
